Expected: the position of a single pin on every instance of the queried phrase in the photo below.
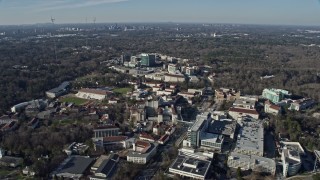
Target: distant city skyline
(273, 12)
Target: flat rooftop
(213, 138)
(132, 153)
(190, 165)
(258, 160)
(251, 136)
(291, 157)
(74, 165)
(224, 127)
(293, 146)
(199, 122)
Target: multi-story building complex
(195, 132)
(224, 94)
(212, 141)
(142, 152)
(148, 60)
(225, 127)
(105, 131)
(250, 138)
(190, 167)
(256, 163)
(301, 104)
(275, 95)
(290, 156)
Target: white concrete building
(97, 94)
(174, 78)
(290, 156)
(142, 152)
(256, 163)
(237, 113)
(190, 167)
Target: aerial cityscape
(163, 94)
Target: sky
(278, 12)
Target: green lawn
(122, 90)
(4, 172)
(75, 100)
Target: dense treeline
(42, 147)
(239, 55)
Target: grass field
(122, 90)
(75, 100)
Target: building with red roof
(236, 113)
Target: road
(153, 166)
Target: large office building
(148, 60)
(190, 167)
(195, 132)
(275, 95)
(250, 138)
(290, 156)
(256, 163)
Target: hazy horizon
(272, 12)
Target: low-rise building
(275, 95)
(142, 152)
(105, 131)
(33, 123)
(190, 167)
(256, 163)
(98, 163)
(271, 108)
(164, 139)
(106, 168)
(62, 89)
(73, 167)
(174, 78)
(237, 113)
(245, 102)
(301, 104)
(224, 94)
(97, 94)
(76, 148)
(146, 137)
(115, 142)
